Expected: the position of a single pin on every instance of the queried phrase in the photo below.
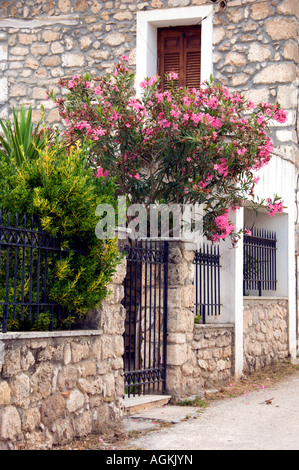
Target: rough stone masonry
(56, 386)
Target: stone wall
(265, 332)
(198, 356)
(57, 386)
(255, 49)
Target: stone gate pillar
(181, 298)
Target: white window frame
(146, 42)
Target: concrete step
(141, 403)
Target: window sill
(264, 297)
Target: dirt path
(265, 419)
(257, 412)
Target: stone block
(31, 63)
(63, 431)
(258, 53)
(31, 419)
(87, 369)
(261, 10)
(39, 49)
(19, 51)
(80, 350)
(3, 90)
(91, 387)
(291, 51)
(176, 354)
(289, 7)
(174, 297)
(188, 296)
(114, 39)
(82, 424)
(67, 378)
(20, 388)
(10, 423)
(18, 90)
(75, 401)
(236, 59)
(50, 36)
(274, 73)
(70, 59)
(5, 393)
(27, 39)
(64, 6)
(177, 273)
(52, 409)
(281, 29)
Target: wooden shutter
(179, 50)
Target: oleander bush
(176, 146)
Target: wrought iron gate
(145, 301)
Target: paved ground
(265, 419)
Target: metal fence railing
(27, 257)
(259, 266)
(207, 282)
(145, 301)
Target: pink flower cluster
(278, 115)
(221, 167)
(224, 227)
(172, 76)
(101, 172)
(149, 82)
(275, 207)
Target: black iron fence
(145, 301)
(27, 258)
(259, 268)
(207, 282)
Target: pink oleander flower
(124, 57)
(175, 113)
(71, 84)
(256, 179)
(153, 79)
(274, 208)
(280, 116)
(221, 167)
(260, 120)
(241, 151)
(101, 172)
(224, 225)
(212, 102)
(149, 82)
(98, 90)
(172, 76)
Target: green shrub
(59, 189)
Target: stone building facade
(255, 49)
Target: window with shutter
(179, 50)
